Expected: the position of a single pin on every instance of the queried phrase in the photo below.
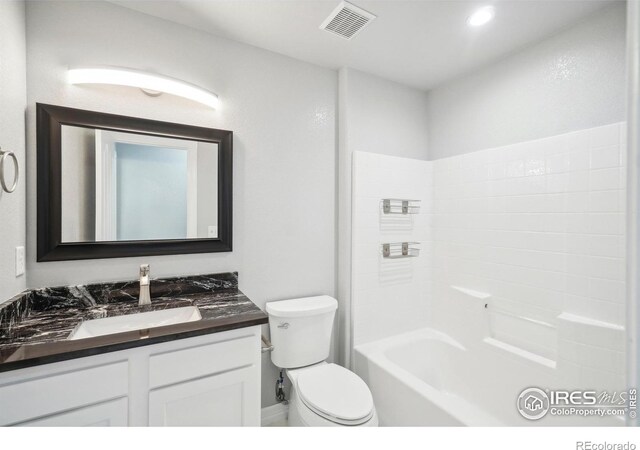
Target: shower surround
(523, 260)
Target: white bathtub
(426, 378)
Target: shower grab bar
(400, 206)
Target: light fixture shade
(143, 80)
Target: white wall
(570, 81)
(377, 116)
(282, 113)
(384, 117)
(12, 138)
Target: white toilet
(322, 394)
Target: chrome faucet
(145, 296)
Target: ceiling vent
(347, 20)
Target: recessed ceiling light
(481, 16)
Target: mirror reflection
(121, 186)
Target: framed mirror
(112, 186)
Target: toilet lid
(335, 392)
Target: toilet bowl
(329, 395)
(322, 394)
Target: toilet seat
(335, 393)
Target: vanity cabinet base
(210, 380)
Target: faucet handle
(144, 270)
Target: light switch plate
(19, 261)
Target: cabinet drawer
(51, 394)
(189, 363)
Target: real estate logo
(533, 403)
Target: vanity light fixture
(481, 16)
(149, 83)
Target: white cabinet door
(108, 414)
(228, 399)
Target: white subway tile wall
(538, 225)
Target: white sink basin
(130, 322)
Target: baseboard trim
(274, 414)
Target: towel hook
(16, 171)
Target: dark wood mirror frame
(50, 119)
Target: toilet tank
(301, 330)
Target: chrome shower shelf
(397, 250)
(400, 206)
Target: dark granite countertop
(35, 325)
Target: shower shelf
(398, 250)
(400, 206)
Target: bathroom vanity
(194, 371)
(177, 351)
